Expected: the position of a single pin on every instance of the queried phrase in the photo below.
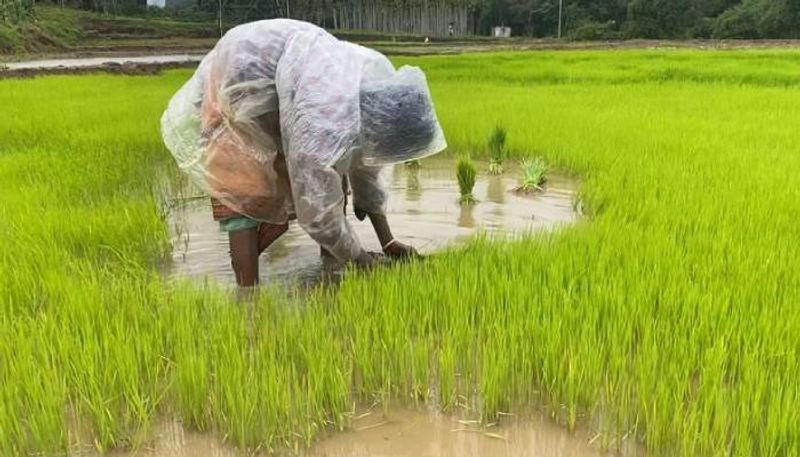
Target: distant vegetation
(23, 27)
(50, 28)
(598, 19)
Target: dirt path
(131, 65)
(93, 62)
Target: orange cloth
(237, 171)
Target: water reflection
(465, 216)
(496, 189)
(413, 188)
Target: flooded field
(666, 315)
(423, 211)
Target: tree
(760, 19)
(15, 11)
(661, 18)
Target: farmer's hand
(369, 260)
(398, 250)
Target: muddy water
(404, 433)
(423, 210)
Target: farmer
(279, 117)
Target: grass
(466, 174)
(533, 174)
(668, 315)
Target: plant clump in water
(413, 164)
(465, 170)
(533, 175)
(497, 150)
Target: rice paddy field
(668, 315)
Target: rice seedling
(670, 316)
(466, 174)
(534, 170)
(497, 150)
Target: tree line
(435, 17)
(656, 19)
(580, 19)
(15, 11)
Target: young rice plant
(497, 150)
(533, 174)
(466, 174)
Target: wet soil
(423, 210)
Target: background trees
(14, 11)
(582, 19)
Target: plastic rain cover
(280, 110)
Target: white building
(499, 32)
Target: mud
(423, 210)
(403, 433)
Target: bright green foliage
(669, 314)
(497, 150)
(533, 174)
(466, 174)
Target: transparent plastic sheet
(280, 110)
(398, 119)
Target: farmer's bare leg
(244, 246)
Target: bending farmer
(275, 122)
